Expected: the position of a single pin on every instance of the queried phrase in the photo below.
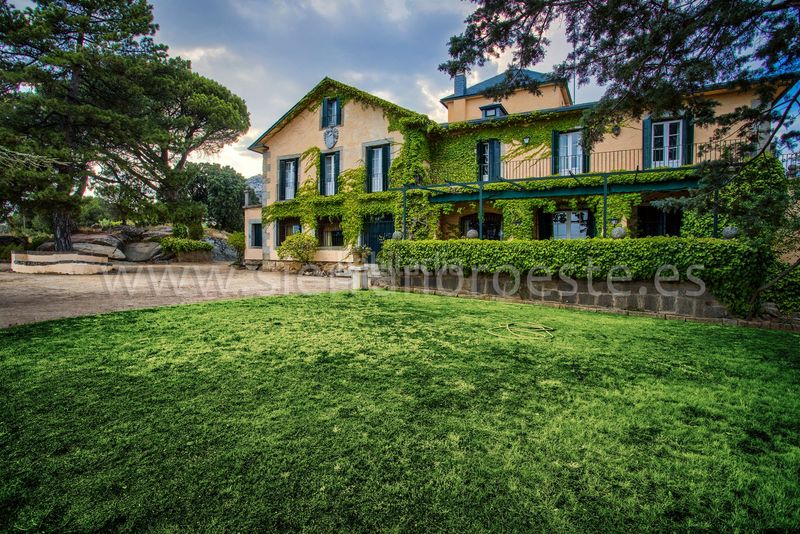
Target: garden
(392, 411)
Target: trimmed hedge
(180, 244)
(732, 268)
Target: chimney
(460, 84)
(246, 197)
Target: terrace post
(405, 209)
(716, 213)
(480, 210)
(605, 204)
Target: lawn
(396, 412)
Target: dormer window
(331, 112)
(493, 111)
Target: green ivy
(180, 244)
(519, 216)
(732, 269)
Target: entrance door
(376, 230)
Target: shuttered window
(377, 168)
(329, 174)
(488, 155)
(287, 187)
(331, 113)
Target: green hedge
(786, 293)
(180, 244)
(732, 269)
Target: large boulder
(104, 239)
(141, 251)
(127, 233)
(113, 253)
(221, 251)
(156, 233)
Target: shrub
(195, 231)
(6, 250)
(786, 292)
(180, 230)
(732, 269)
(179, 244)
(299, 247)
(237, 242)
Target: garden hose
(522, 330)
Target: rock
(156, 233)
(126, 233)
(113, 253)
(221, 251)
(107, 240)
(141, 251)
(618, 232)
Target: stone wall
(670, 298)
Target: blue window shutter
(386, 162)
(687, 125)
(545, 221)
(591, 225)
(335, 172)
(296, 176)
(323, 118)
(554, 152)
(647, 143)
(338, 112)
(586, 156)
(322, 174)
(369, 169)
(494, 159)
(479, 155)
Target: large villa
(352, 168)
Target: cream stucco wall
(251, 214)
(553, 96)
(362, 125)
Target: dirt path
(28, 298)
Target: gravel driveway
(28, 298)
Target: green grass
(395, 412)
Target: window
(492, 225)
(652, 222)
(255, 235)
(330, 233)
(330, 174)
(331, 113)
(570, 153)
(488, 160)
(666, 151)
(287, 227)
(570, 224)
(493, 111)
(377, 168)
(288, 179)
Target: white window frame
(485, 165)
(668, 147)
(570, 153)
(330, 179)
(376, 180)
(573, 229)
(290, 180)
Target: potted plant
(360, 253)
(300, 247)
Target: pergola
(443, 192)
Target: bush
(785, 294)
(732, 268)
(6, 250)
(299, 247)
(195, 231)
(179, 244)
(237, 242)
(180, 230)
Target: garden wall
(39, 262)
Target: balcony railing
(627, 160)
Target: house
(352, 168)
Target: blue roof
(561, 109)
(481, 87)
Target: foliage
(519, 216)
(180, 230)
(298, 247)
(221, 190)
(237, 241)
(664, 70)
(7, 249)
(785, 294)
(92, 210)
(180, 244)
(387, 411)
(68, 91)
(731, 269)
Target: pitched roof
(329, 86)
(481, 87)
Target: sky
(272, 52)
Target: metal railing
(632, 159)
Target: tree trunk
(62, 230)
(757, 293)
